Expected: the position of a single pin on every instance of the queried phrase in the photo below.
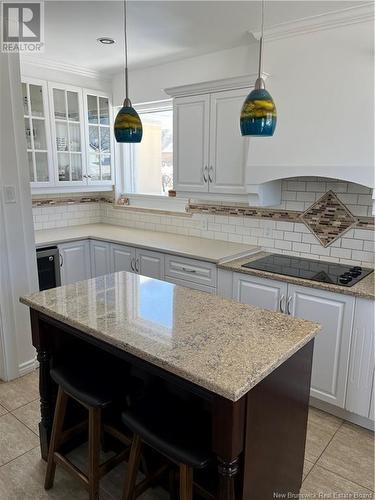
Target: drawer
(194, 271)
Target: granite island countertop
(187, 246)
(364, 288)
(223, 346)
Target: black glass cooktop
(315, 270)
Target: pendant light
(128, 125)
(258, 114)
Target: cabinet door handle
(136, 265)
(132, 265)
(205, 169)
(288, 305)
(210, 170)
(61, 260)
(281, 303)
(188, 270)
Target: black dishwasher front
(48, 260)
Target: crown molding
(238, 82)
(329, 20)
(45, 63)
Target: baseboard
(28, 366)
(344, 414)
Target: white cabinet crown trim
(208, 87)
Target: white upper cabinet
(37, 130)
(68, 133)
(210, 154)
(190, 143)
(69, 136)
(228, 149)
(98, 129)
(209, 151)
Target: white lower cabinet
(122, 258)
(332, 344)
(74, 261)
(333, 311)
(360, 392)
(136, 260)
(267, 294)
(100, 258)
(149, 263)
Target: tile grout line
(19, 456)
(316, 461)
(343, 477)
(23, 423)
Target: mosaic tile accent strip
(328, 218)
(366, 223)
(42, 202)
(244, 211)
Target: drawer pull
(188, 270)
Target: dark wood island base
(259, 440)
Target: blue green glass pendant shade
(128, 125)
(258, 114)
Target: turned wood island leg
(228, 444)
(46, 387)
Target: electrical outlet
(9, 194)
(204, 224)
(268, 232)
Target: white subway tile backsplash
(352, 243)
(301, 247)
(306, 196)
(343, 253)
(291, 238)
(368, 246)
(363, 256)
(283, 245)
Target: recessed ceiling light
(105, 40)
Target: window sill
(155, 203)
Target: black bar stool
(93, 387)
(177, 431)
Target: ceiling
(160, 31)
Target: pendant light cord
(261, 43)
(126, 54)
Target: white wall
(18, 275)
(147, 84)
(323, 86)
(67, 77)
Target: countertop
(364, 288)
(223, 346)
(187, 246)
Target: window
(150, 169)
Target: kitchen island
(252, 367)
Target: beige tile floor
(339, 460)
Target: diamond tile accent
(328, 218)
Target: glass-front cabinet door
(99, 138)
(36, 119)
(67, 127)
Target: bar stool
(176, 431)
(95, 391)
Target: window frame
(125, 176)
